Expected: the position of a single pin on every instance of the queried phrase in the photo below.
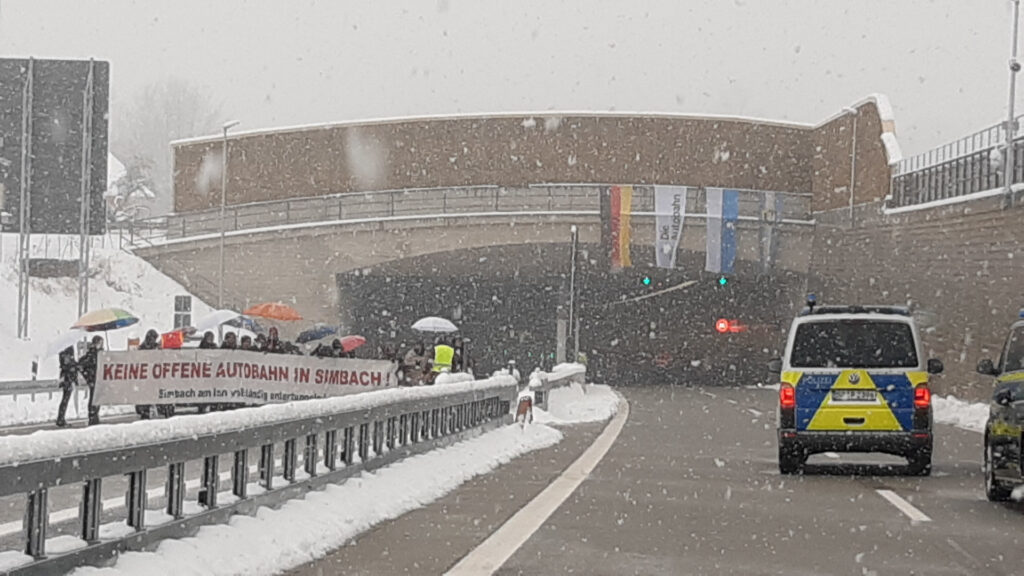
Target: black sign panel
(57, 107)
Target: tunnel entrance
(637, 326)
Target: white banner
(669, 211)
(231, 376)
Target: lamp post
(1010, 120)
(223, 203)
(853, 157)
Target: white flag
(669, 211)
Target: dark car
(1003, 458)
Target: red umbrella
(350, 343)
(274, 311)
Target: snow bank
(578, 403)
(452, 378)
(47, 444)
(119, 280)
(966, 415)
(304, 530)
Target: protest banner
(142, 377)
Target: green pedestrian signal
(647, 280)
(723, 281)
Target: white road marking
(902, 505)
(493, 552)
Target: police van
(854, 379)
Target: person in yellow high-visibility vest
(443, 355)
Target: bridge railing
(19, 387)
(542, 383)
(332, 439)
(430, 202)
(966, 166)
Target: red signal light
(922, 397)
(787, 395)
(722, 325)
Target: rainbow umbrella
(105, 319)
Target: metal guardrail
(432, 202)
(19, 387)
(542, 383)
(346, 443)
(956, 169)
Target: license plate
(855, 396)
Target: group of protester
(421, 366)
(70, 369)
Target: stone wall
(961, 267)
(516, 150)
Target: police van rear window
(853, 344)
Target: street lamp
(1010, 120)
(223, 202)
(853, 156)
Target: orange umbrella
(273, 311)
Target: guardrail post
(175, 490)
(240, 473)
(391, 433)
(331, 450)
(349, 447)
(90, 509)
(36, 518)
(136, 500)
(435, 424)
(378, 437)
(309, 458)
(414, 427)
(210, 482)
(267, 466)
(290, 460)
(364, 442)
(403, 429)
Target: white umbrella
(63, 341)
(435, 324)
(214, 319)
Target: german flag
(616, 209)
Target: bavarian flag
(616, 209)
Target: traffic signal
(646, 281)
(727, 326)
(722, 281)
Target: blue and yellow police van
(854, 379)
(1003, 459)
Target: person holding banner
(150, 342)
(68, 375)
(87, 365)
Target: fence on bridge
(434, 202)
(968, 165)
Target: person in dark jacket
(87, 365)
(273, 344)
(337, 349)
(68, 375)
(150, 342)
(207, 343)
(246, 343)
(230, 342)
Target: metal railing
(542, 383)
(959, 168)
(20, 387)
(331, 447)
(433, 202)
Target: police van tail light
(787, 396)
(922, 397)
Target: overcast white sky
(942, 63)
